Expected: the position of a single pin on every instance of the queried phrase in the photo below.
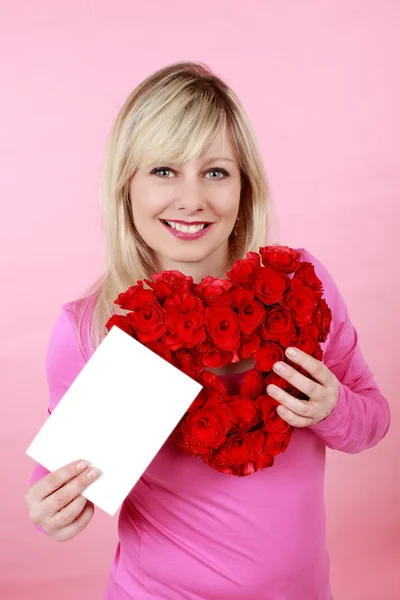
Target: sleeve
(361, 417)
(64, 361)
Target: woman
(186, 530)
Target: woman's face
(172, 203)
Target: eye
(156, 171)
(220, 171)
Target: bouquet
(269, 301)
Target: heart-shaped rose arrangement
(271, 300)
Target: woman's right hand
(56, 504)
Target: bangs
(181, 130)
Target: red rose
(301, 301)
(147, 317)
(326, 318)
(202, 397)
(185, 318)
(241, 448)
(251, 312)
(305, 343)
(272, 421)
(310, 331)
(285, 338)
(126, 299)
(245, 270)
(318, 354)
(188, 363)
(185, 302)
(307, 275)
(212, 357)
(265, 460)
(222, 325)
(211, 290)
(281, 258)
(322, 318)
(215, 462)
(161, 289)
(278, 324)
(213, 383)
(244, 413)
(167, 282)
(278, 442)
(215, 358)
(268, 354)
(252, 384)
(249, 345)
(121, 322)
(207, 427)
(247, 469)
(177, 438)
(172, 342)
(205, 346)
(270, 285)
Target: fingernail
(92, 473)
(281, 410)
(291, 352)
(82, 464)
(279, 367)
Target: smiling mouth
(186, 228)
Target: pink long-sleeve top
(188, 532)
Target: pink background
(320, 82)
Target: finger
(68, 514)
(63, 496)
(70, 531)
(293, 419)
(302, 408)
(313, 366)
(51, 482)
(299, 381)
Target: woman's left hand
(323, 396)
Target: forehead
(220, 150)
(185, 146)
(221, 145)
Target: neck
(214, 265)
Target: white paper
(117, 414)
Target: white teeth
(186, 228)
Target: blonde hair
(170, 117)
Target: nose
(191, 197)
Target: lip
(186, 222)
(182, 235)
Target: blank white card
(117, 414)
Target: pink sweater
(189, 532)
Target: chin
(187, 256)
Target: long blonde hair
(170, 117)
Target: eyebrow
(215, 158)
(210, 160)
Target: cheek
(227, 205)
(146, 206)
(228, 213)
